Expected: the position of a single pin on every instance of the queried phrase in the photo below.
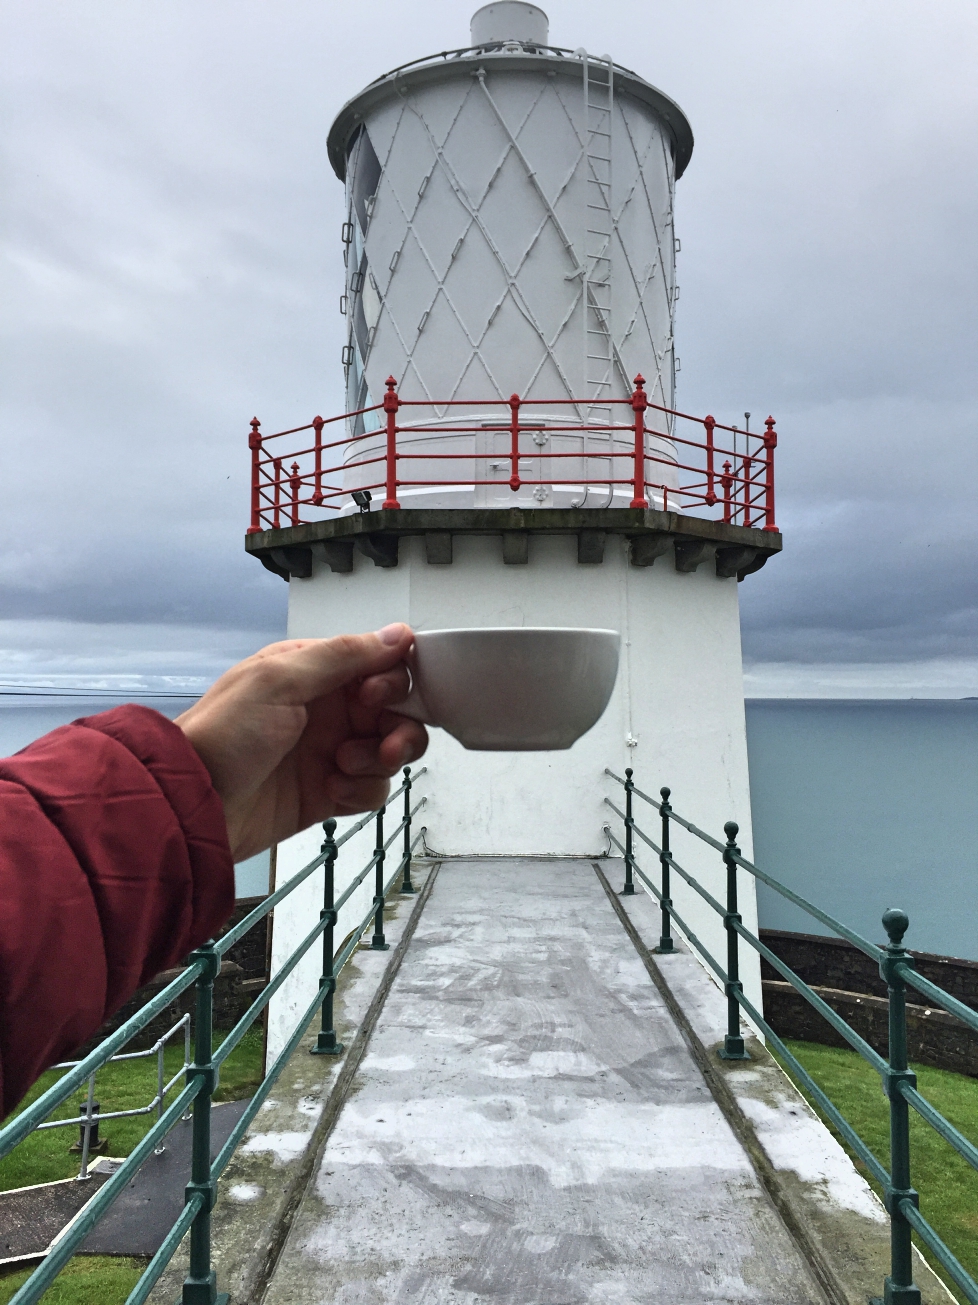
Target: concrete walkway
(529, 1128)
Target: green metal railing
(897, 970)
(200, 1285)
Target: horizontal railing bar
(254, 1105)
(105, 1115)
(267, 993)
(824, 1009)
(153, 1271)
(228, 939)
(611, 837)
(253, 917)
(842, 1124)
(355, 884)
(940, 1248)
(64, 1247)
(134, 1055)
(524, 403)
(939, 1124)
(327, 421)
(693, 883)
(850, 935)
(27, 1121)
(938, 996)
(227, 1150)
(684, 874)
(695, 941)
(837, 926)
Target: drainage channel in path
(529, 1127)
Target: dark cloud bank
(172, 266)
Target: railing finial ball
(407, 771)
(329, 827)
(628, 772)
(896, 923)
(731, 829)
(665, 793)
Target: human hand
(302, 730)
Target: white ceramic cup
(520, 689)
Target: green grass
(87, 1280)
(947, 1184)
(43, 1157)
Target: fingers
(383, 755)
(386, 689)
(348, 797)
(300, 670)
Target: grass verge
(86, 1280)
(947, 1184)
(123, 1085)
(44, 1157)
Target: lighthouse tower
(513, 454)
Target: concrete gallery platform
(529, 1125)
(530, 1111)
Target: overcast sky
(172, 266)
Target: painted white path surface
(528, 1127)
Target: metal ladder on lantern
(599, 356)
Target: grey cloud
(172, 267)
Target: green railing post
(378, 942)
(629, 887)
(406, 885)
(899, 1288)
(665, 937)
(326, 1044)
(200, 1285)
(733, 1042)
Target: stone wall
(849, 981)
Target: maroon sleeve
(114, 864)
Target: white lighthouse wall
(496, 253)
(679, 699)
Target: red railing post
(317, 495)
(770, 444)
(639, 403)
(254, 443)
(746, 475)
(711, 498)
(726, 480)
(514, 452)
(277, 498)
(295, 483)
(391, 405)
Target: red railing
(285, 486)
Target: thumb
(300, 670)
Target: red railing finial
(639, 401)
(391, 405)
(726, 481)
(317, 494)
(254, 443)
(709, 422)
(770, 444)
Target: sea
(858, 805)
